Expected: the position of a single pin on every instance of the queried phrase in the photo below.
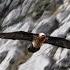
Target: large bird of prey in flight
(36, 39)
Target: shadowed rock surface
(49, 16)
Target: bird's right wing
(19, 35)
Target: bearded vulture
(36, 39)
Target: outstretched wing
(19, 35)
(57, 41)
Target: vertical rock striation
(49, 16)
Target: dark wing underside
(57, 41)
(19, 35)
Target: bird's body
(36, 39)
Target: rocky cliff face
(49, 16)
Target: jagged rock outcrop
(34, 16)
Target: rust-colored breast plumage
(38, 41)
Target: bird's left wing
(19, 35)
